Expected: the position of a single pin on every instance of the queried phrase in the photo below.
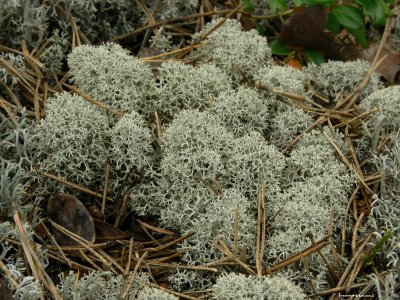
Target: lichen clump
(213, 158)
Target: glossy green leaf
(298, 2)
(318, 2)
(376, 9)
(247, 5)
(316, 57)
(278, 48)
(277, 5)
(359, 34)
(333, 24)
(348, 16)
(260, 29)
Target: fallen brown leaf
(67, 211)
(306, 29)
(390, 66)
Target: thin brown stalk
(34, 263)
(74, 186)
(8, 274)
(336, 290)
(162, 23)
(347, 163)
(344, 226)
(351, 264)
(260, 245)
(354, 234)
(93, 101)
(106, 184)
(154, 228)
(297, 257)
(236, 232)
(350, 100)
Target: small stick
(106, 184)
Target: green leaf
(377, 248)
(359, 34)
(277, 48)
(247, 5)
(260, 29)
(298, 2)
(376, 9)
(348, 16)
(316, 57)
(333, 24)
(277, 5)
(318, 2)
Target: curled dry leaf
(389, 67)
(306, 29)
(66, 210)
(106, 232)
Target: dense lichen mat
(208, 171)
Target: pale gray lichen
(239, 53)
(337, 79)
(130, 147)
(151, 293)
(71, 141)
(53, 57)
(241, 111)
(217, 221)
(109, 74)
(182, 86)
(252, 162)
(314, 155)
(173, 8)
(287, 124)
(28, 18)
(99, 286)
(285, 79)
(17, 62)
(239, 286)
(28, 289)
(10, 188)
(286, 119)
(387, 119)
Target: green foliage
(315, 57)
(247, 5)
(277, 48)
(277, 5)
(377, 250)
(348, 16)
(318, 2)
(376, 9)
